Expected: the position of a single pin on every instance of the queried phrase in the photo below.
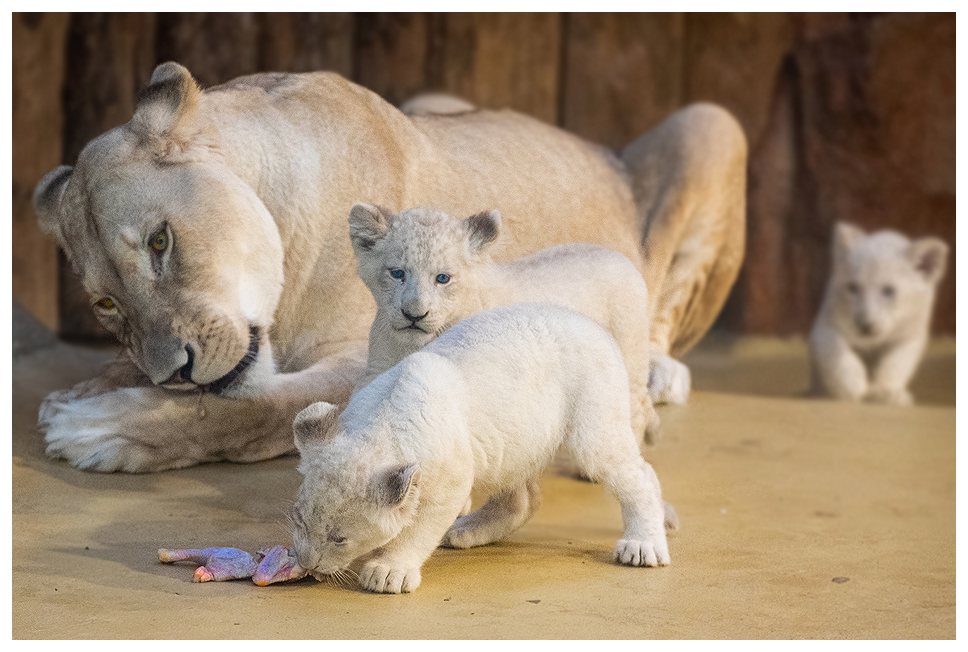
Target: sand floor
(800, 519)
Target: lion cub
(874, 323)
(485, 406)
(428, 271)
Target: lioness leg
(101, 426)
(501, 515)
(688, 176)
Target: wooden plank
(733, 59)
(305, 42)
(622, 74)
(215, 47)
(110, 58)
(397, 54)
(39, 42)
(499, 60)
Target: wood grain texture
(398, 55)
(306, 42)
(39, 43)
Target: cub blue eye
(397, 274)
(443, 278)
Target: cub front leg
(893, 371)
(669, 380)
(99, 426)
(836, 368)
(643, 542)
(396, 566)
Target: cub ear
(391, 487)
(315, 423)
(165, 108)
(47, 199)
(368, 224)
(482, 229)
(929, 256)
(846, 235)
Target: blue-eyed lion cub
(875, 318)
(428, 270)
(485, 406)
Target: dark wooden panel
(307, 42)
(39, 44)
(399, 54)
(621, 74)
(733, 59)
(215, 47)
(500, 60)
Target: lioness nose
(413, 318)
(183, 375)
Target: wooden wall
(848, 116)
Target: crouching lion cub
(428, 270)
(484, 406)
(874, 323)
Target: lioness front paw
(889, 396)
(669, 380)
(379, 577)
(634, 552)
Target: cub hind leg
(501, 515)
(608, 453)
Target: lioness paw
(633, 552)
(889, 396)
(379, 577)
(669, 380)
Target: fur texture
(484, 406)
(875, 319)
(210, 234)
(428, 270)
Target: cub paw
(889, 396)
(633, 552)
(459, 537)
(669, 380)
(380, 577)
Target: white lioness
(875, 319)
(484, 406)
(210, 233)
(428, 270)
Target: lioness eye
(159, 241)
(105, 303)
(337, 540)
(443, 279)
(888, 291)
(397, 274)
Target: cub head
(883, 282)
(180, 259)
(354, 498)
(422, 266)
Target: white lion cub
(428, 270)
(484, 406)
(874, 323)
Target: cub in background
(874, 323)
(428, 271)
(485, 406)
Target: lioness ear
(314, 424)
(165, 108)
(929, 257)
(389, 488)
(845, 237)
(482, 229)
(47, 198)
(368, 224)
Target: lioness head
(180, 258)
(883, 281)
(421, 265)
(353, 498)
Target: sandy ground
(800, 519)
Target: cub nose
(413, 318)
(864, 327)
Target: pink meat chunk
(218, 564)
(277, 564)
